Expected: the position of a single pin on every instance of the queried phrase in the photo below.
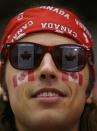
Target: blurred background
(87, 8)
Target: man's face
(60, 97)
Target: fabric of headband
(47, 18)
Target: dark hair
(88, 121)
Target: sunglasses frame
(88, 57)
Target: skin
(33, 115)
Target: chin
(49, 120)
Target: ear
(89, 99)
(3, 94)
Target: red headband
(46, 18)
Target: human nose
(47, 70)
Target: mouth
(48, 92)
(49, 95)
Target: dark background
(88, 8)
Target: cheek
(23, 77)
(75, 77)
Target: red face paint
(22, 77)
(73, 77)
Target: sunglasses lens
(70, 58)
(22, 56)
(25, 56)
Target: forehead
(46, 38)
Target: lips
(49, 92)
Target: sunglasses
(28, 56)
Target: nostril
(43, 76)
(53, 76)
(46, 76)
